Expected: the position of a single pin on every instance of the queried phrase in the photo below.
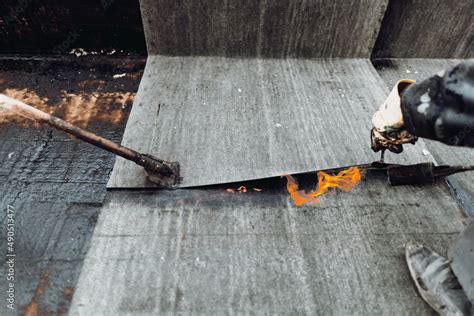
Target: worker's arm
(439, 108)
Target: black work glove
(442, 107)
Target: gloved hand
(389, 132)
(441, 107)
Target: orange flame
(344, 180)
(242, 189)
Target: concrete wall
(427, 29)
(250, 28)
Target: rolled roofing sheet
(228, 120)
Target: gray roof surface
(207, 251)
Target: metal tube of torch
(150, 163)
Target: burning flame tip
(345, 180)
(242, 189)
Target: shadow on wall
(106, 27)
(426, 29)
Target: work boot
(435, 281)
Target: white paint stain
(425, 98)
(423, 108)
(425, 103)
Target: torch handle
(421, 173)
(29, 112)
(443, 171)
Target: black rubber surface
(54, 184)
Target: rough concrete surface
(426, 29)
(392, 70)
(207, 251)
(54, 183)
(314, 28)
(228, 119)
